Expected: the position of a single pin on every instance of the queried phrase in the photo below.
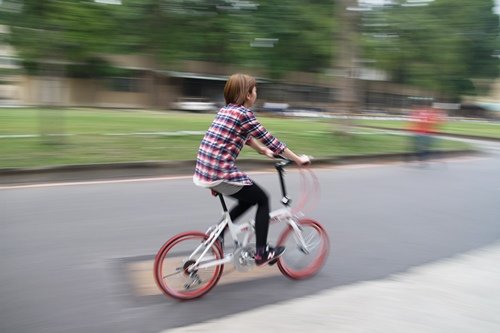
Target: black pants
(247, 197)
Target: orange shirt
(424, 120)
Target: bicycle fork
(299, 238)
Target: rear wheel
(298, 262)
(173, 266)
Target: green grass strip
(452, 126)
(86, 136)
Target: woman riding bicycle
(234, 126)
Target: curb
(126, 170)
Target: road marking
(94, 182)
(112, 181)
(361, 166)
(170, 133)
(140, 274)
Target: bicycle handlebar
(283, 161)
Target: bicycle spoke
(311, 244)
(307, 250)
(179, 276)
(177, 271)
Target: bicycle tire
(295, 263)
(171, 261)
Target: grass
(84, 136)
(452, 126)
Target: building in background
(10, 79)
(138, 82)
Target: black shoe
(269, 255)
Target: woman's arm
(252, 127)
(287, 153)
(259, 147)
(258, 132)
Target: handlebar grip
(310, 160)
(288, 161)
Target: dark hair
(237, 87)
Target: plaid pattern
(230, 130)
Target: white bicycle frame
(247, 229)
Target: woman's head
(238, 88)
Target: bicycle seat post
(221, 198)
(223, 202)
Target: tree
(296, 34)
(274, 35)
(51, 36)
(59, 31)
(303, 33)
(439, 45)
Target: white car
(194, 104)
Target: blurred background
(335, 56)
(92, 82)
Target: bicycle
(191, 263)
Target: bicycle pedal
(272, 262)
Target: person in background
(424, 123)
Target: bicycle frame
(235, 230)
(247, 228)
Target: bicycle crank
(244, 258)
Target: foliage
(296, 34)
(59, 37)
(435, 44)
(59, 30)
(439, 45)
(222, 31)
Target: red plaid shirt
(221, 145)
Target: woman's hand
(303, 160)
(268, 152)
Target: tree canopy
(435, 44)
(439, 45)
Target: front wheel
(299, 262)
(174, 262)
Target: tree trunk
(346, 65)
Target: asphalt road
(65, 250)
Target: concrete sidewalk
(459, 294)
